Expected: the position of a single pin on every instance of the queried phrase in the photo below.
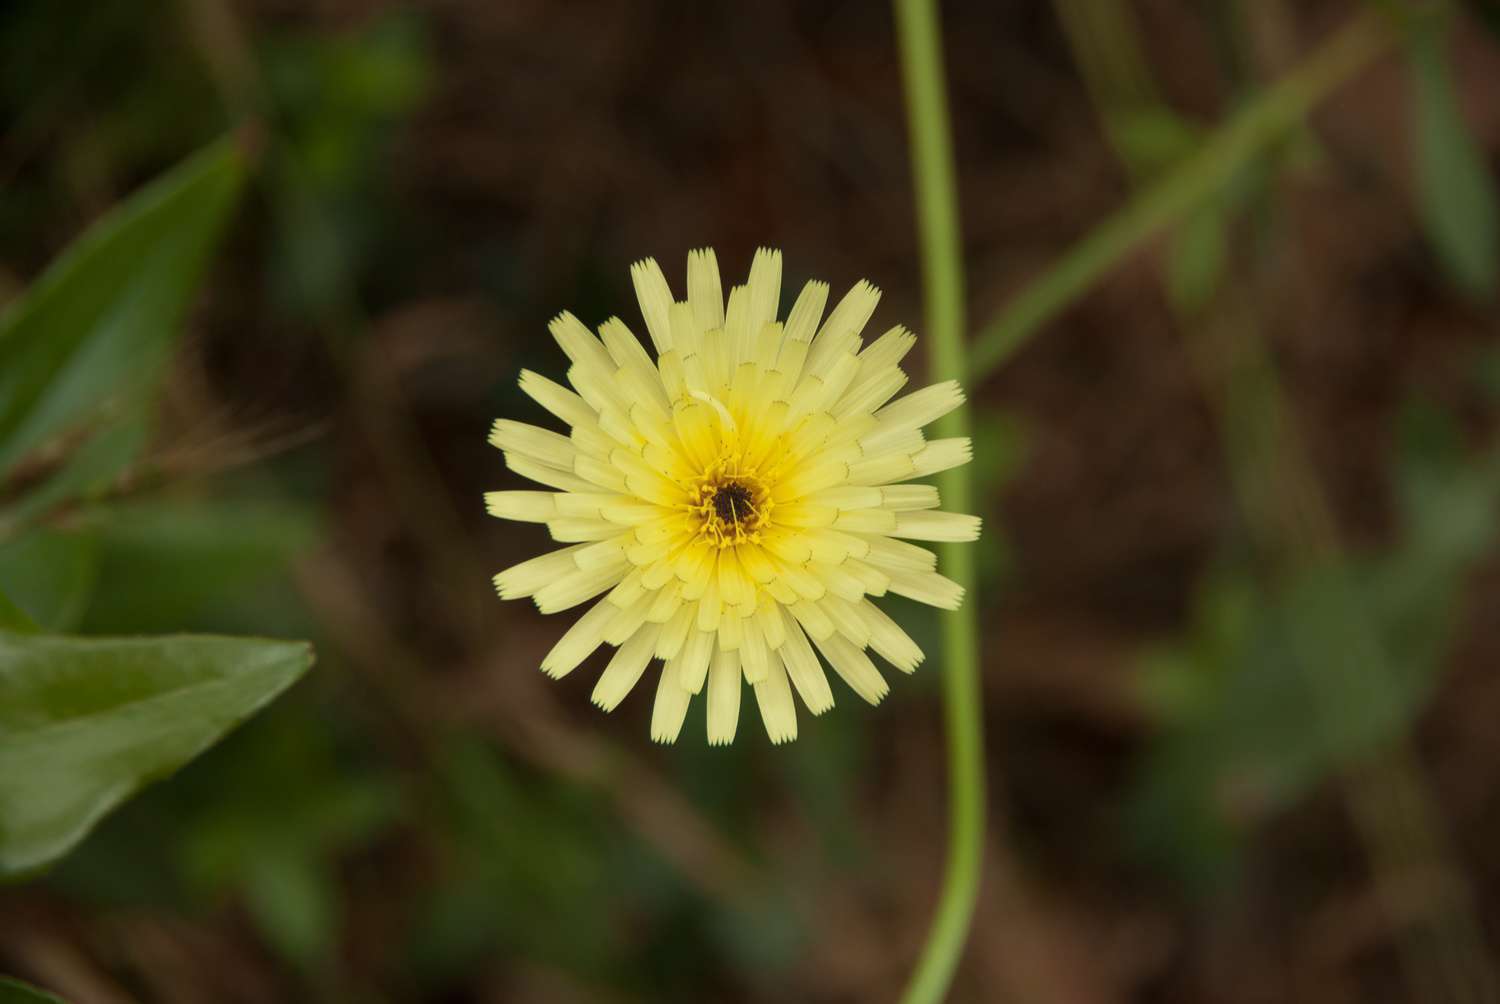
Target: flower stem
(943, 284)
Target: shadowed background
(1239, 602)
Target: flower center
(733, 504)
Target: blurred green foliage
(203, 557)
(292, 809)
(49, 575)
(1247, 725)
(1456, 188)
(61, 91)
(334, 100)
(520, 857)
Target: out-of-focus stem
(1167, 201)
(943, 285)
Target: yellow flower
(738, 498)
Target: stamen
(733, 503)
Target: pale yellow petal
(671, 706)
(803, 667)
(802, 321)
(927, 524)
(777, 709)
(942, 455)
(888, 638)
(572, 589)
(856, 669)
(578, 642)
(927, 587)
(543, 445)
(754, 656)
(675, 632)
(655, 296)
(705, 289)
(557, 399)
(888, 554)
(763, 293)
(724, 686)
(628, 619)
(625, 668)
(697, 653)
(526, 578)
(899, 497)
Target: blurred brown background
(1255, 454)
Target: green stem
(1235, 144)
(943, 283)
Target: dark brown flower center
(733, 502)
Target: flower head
(739, 499)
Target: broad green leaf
(1457, 191)
(13, 991)
(98, 324)
(85, 722)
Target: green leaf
(294, 903)
(89, 469)
(13, 991)
(292, 806)
(196, 555)
(1486, 374)
(99, 322)
(1457, 192)
(1275, 691)
(50, 575)
(517, 840)
(13, 618)
(84, 723)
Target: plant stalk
(1231, 147)
(943, 287)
